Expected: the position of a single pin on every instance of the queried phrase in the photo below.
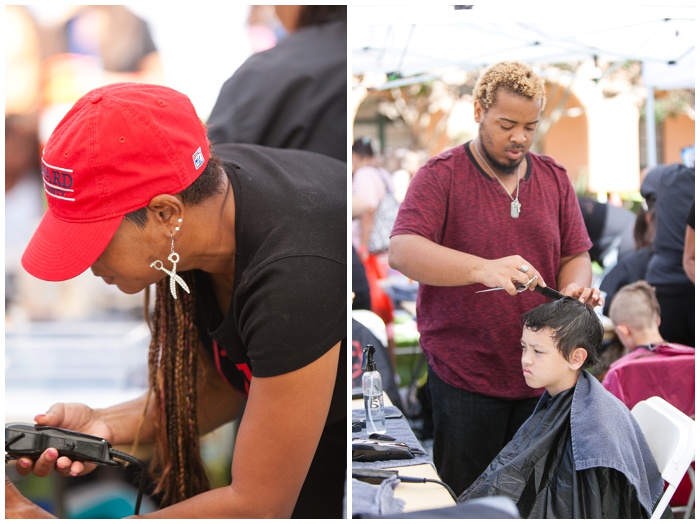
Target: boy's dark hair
(573, 324)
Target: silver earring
(173, 258)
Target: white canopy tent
(413, 43)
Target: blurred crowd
(48, 66)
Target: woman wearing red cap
(247, 250)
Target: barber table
(394, 496)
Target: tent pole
(650, 129)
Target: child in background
(580, 454)
(667, 370)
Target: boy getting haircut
(581, 454)
(573, 325)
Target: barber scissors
(519, 287)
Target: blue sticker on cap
(198, 158)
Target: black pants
(677, 305)
(470, 430)
(323, 493)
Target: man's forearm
(689, 253)
(429, 263)
(575, 269)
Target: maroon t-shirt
(471, 340)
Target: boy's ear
(577, 357)
(624, 329)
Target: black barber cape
(543, 473)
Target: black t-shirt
(289, 303)
(674, 197)
(292, 96)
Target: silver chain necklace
(515, 204)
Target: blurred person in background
(361, 298)
(54, 54)
(633, 267)
(611, 229)
(674, 187)
(88, 46)
(689, 247)
(409, 163)
(293, 95)
(264, 28)
(23, 190)
(24, 195)
(22, 61)
(372, 184)
(635, 315)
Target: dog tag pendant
(515, 208)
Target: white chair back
(670, 435)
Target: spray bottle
(372, 392)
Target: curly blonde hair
(515, 77)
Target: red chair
(667, 372)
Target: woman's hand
(19, 507)
(76, 417)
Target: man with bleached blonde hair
(489, 213)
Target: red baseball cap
(118, 147)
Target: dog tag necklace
(515, 203)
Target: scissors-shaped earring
(173, 258)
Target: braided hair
(173, 359)
(173, 367)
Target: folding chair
(670, 435)
(690, 500)
(669, 373)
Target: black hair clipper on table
(369, 451)
(28, 440)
